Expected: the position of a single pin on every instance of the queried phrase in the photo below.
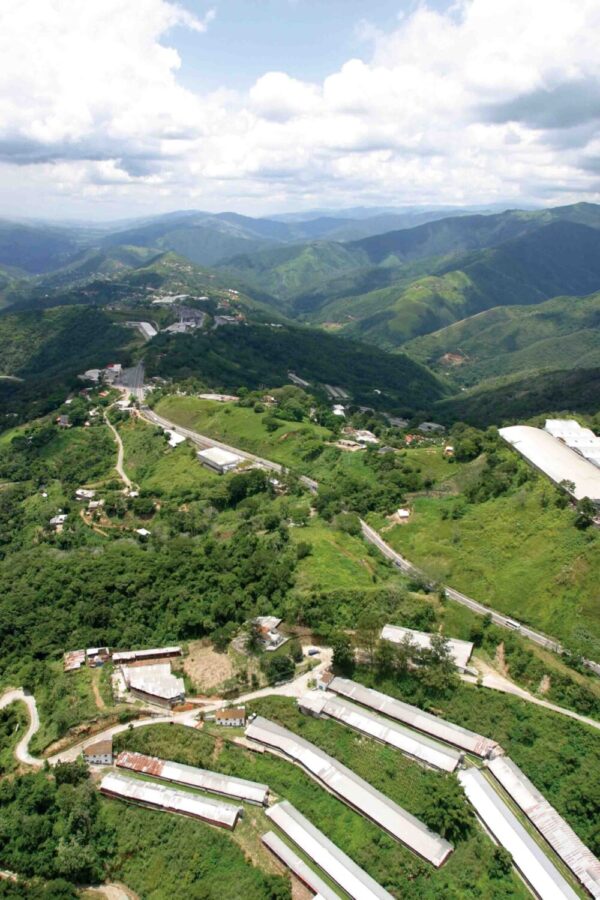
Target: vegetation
(466, 874)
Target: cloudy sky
(112, 108)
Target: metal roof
(459, 650)
(415, 717)
(353, 790)
(130, 655)
(156, 680)
(325, 854)
(549, 823)
(554, 459)
(535, 867)
(403, 739)
(219, 457)
(171, 799)
(296, 865)
(194, 777)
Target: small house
(63, 422)
(231, 718)
(99, 754)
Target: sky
(121, 108)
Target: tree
(279, 668)
(501, 863)
(343, 654)
(385, 659)
(367, 633)
(445, 809)
(585, 513)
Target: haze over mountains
(471, 296)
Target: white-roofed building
(203, 779)
(298, 867)
(144, 793)
(459, 650)
(416, 718)
(408, 742)
(540, 874)
(128, 656)
(218, 460)
(353, 790)
(561, 837)
(155, 684)
(555, 459)
(340, 868)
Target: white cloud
(491, 100)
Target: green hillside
(559, 258)
(561, 333)
(257, 356)
(503, 401)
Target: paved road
(373, 536)
(22, 748)
(132, 380)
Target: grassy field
(337, 560)
(517, 552)
(395, 867)
(242, 428)
(155, 466)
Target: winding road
(373, 537)
(22, 748)
(120, 455)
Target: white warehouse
(218, 460)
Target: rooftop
(555, 459)
(459, 650)
(356, 792)
(218, 457)
(157, 680)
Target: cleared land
(242, 427)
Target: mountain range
(473, 297)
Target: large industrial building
(582, 440)
(202, 779)
(540, 874)
(423, 749)
(155, 684)
(460, 651)
(144, 793)
(353, 790)
(340, 868)
(218, 460)
(549, 823)
(435, 727)
(555, 459)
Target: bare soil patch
(206, 667)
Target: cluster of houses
(268, 627)
(143, 674)
(108, 375)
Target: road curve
(22, 748)
(373, 537)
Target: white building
(218, 460)
(460, 651)
(155, 684)
(99, 754)
(338, 410)
(555, 459)
(234, 717)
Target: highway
(374, 538)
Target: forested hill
(256, 356)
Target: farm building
(582, 440)
(204, 780)
(235, 717)
(555, 459)
(73, 660)
(298, 867)
(271, 637)
(85, 494)
(438, 728)
(313, 843)
(408, 742)
(97, 656)
(218, 460)
(459, 650)
(353, 790)
(549, 823)
(535, 867)
(155, 684)
(99, 754)
(156, 796)
(129, 656)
